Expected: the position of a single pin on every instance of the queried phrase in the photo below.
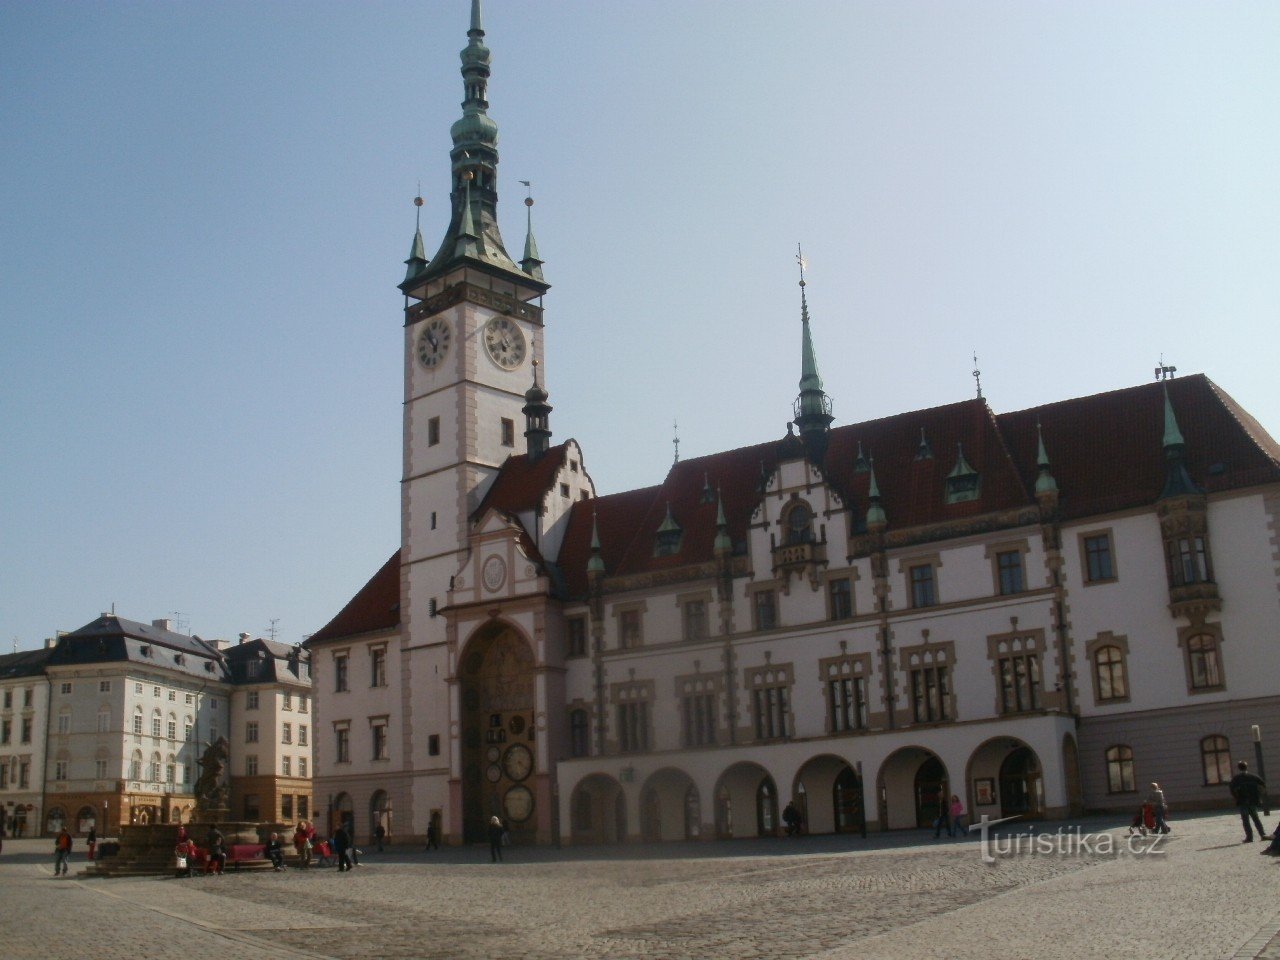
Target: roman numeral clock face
(433, 342)
(504, 341)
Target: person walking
(1246, 790)
(217, 845)
(352, 850)
(955, 818)
(92, 841)
(433, 836)
(341, 843)
(302, 843)
(791, 817)
(379, 835)
(495, 839)
(1159, 809)
(61, 852)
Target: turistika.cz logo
(1066, 842)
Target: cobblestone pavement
(896, 896)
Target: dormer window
(667, 539)
(963, 482)
(145, 651)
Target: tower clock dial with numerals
(504, 340)
(433, 342)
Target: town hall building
(1037, 611)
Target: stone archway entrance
(829, 795)
(498, 752)
(912, 786)
(1021, 784)
(597, 811)
(670, 808)
(746, 802)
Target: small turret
(1046, 485)
(537, 419)
(723, 544)
(530, 263)
(876, 518)
(595, 566)
(1177, 481)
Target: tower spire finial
(977, 375)
(531, 262)
(537, 416)
(675, 440)
(812, 407)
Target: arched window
(171, 770)
(186, 728)
(766, 808)
(156, 721)
(171, 730)
(1108, 665)
(135, 765)
(1120, 769)
(137, 722)
(579, 733)
(154, 772)
(1215, 755)
(1204, 662)
(799, 524)
(104, 720)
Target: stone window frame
(1185, 635)
(1122, 762)
(629, 692)
(588, 710)
(376, 649)
(1108, 639)
(774, 587)
(682, 601)
(852, 576)
(1018, 643)
(857, 666)
(1205, 754)
(380, 721)
(569, 652)
(340, 728)
(639, 607)
(343, 675)
(929, 655)
(992, 552)
(701, 684)
(771, 676)
(796, 502)
(907, 563)
(1084, 535)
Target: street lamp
(1262, 770)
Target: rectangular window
(380, 741)
(930, 694)
(137, 724)
(8, 699)
(577, 631)
(60, 769)
(286, 733)
(848, 703)
(186, 773)
(137, 688)
(253, 669)
(340, 673)
(923, 590)
(629, 629)
(64, 723)
(433, 745)
(251, 765)
(100, 769)
(173, 696)
(302, 766)
(286, 807)
(302, 703)
(770, 707)
(764, 609)
(251, 732)
(252, 806)
(303, 806)
(24, 775)
(378, 667)
(508, 432)
(342, 742)
(1019, 682)
(155, 692)
(27, 694)
(155, 726)
(695, 620)
(65, 689)
(433, 431)
(170, 773)
(302, 734)
(104, 722)
(287, 703)
(6, 731)
(286, 767)
(189, 698)
(104, 686)
(172, 728)
(1009, 563)
(1097, 558)
(579, 734)
(186, 731)
(699, 715)
(840, 595)
(4, 776)
(564, 490)
(633, 726)
(251, 700)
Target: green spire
(530, 263)
(723, 543)
(596, 563)
(813, 407)
(962, 468)
(1044, 482)
(417, 261)
(875, 512)
(1177, 481)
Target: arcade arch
(911, 786)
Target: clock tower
(470, 324)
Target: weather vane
(1164, 372)
(802, 262)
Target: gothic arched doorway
(498, 752)
(1021, 787)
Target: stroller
(1144, 821)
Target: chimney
(244, 638)
(50, 642)
(163, 624)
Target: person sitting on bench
(275, 851)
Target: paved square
(896, 896)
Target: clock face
(518, 762)
(518, 804)
(494, 773)
(433, 342)
(505, 342)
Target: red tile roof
(375, 607)
(1105, 453)
(522, 485)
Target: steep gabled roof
(522, 485)
(375, 607)
(1105, 450)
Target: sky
(205, 209)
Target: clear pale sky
(204, 209)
